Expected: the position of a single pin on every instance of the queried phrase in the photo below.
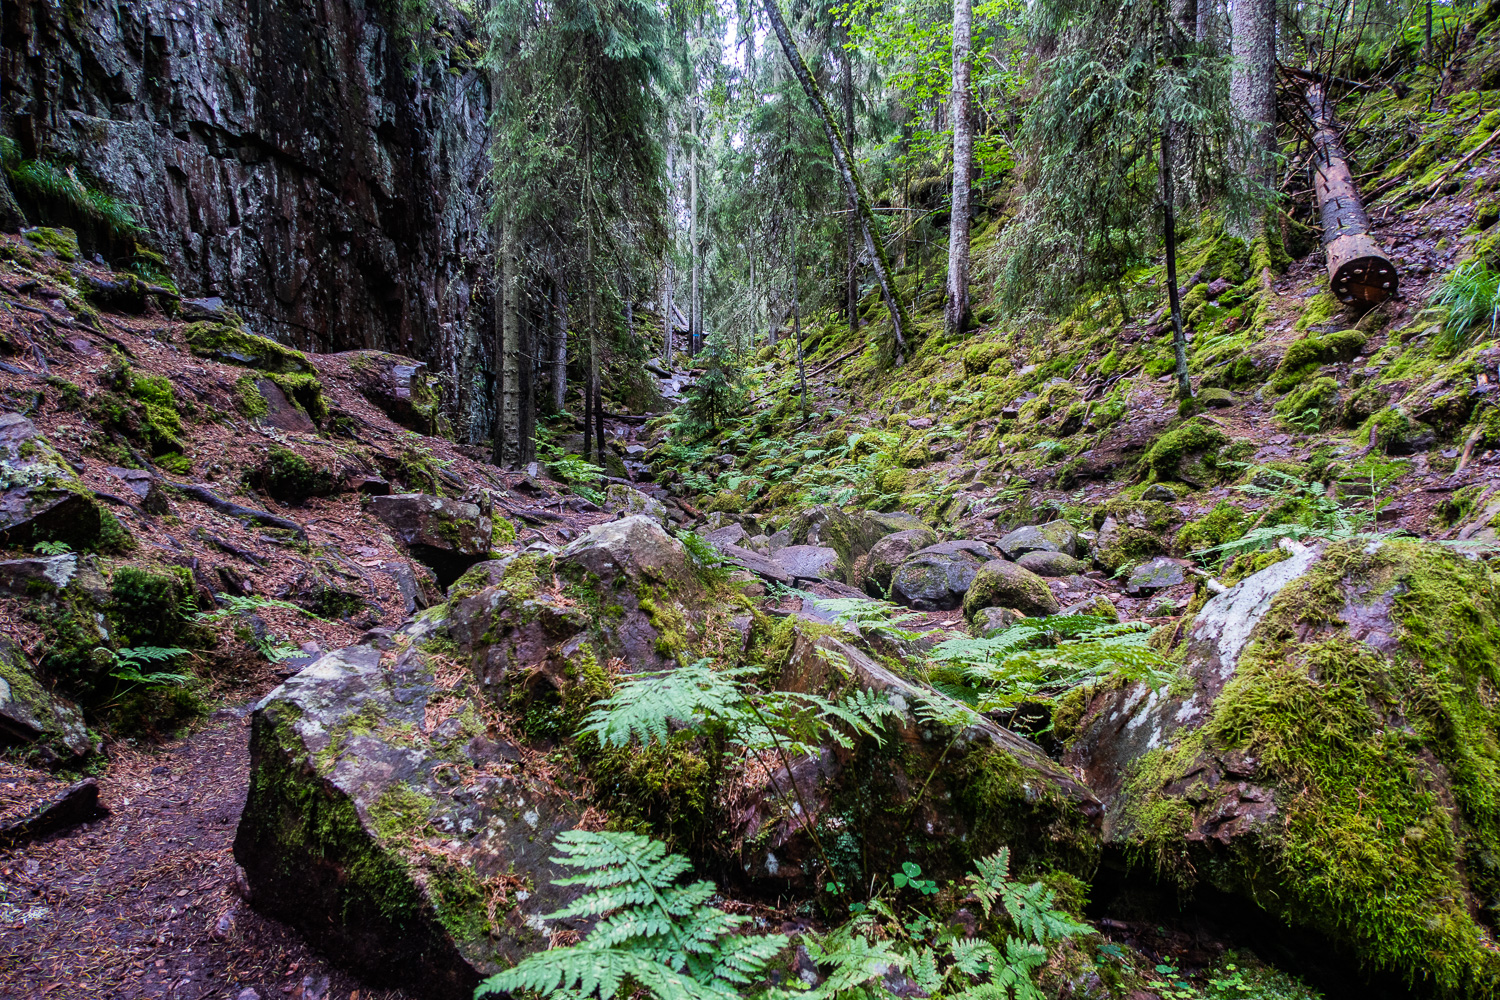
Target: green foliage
(648, 709)
(718, 394)
(51, 548)
(149, 606)
(1295, 508)
(650, 932)
(130, 662)
(1471, 294)
(270, 646)
(1042, 658)
(289, 477)
(58, 187)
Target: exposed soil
(144, 902)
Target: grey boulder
(391, 828)
(873, 570)
(1052, 564)
(1054, 536)
(937, 578)
(448, 535)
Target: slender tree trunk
(851, 230)
(797, 330)
(1358, 269)
(528, 340)
(666, 314)
(956, 314)
(695, 317)
(509, 436)
(844, 162)
(590, 386)
(1252, 89)
(559, 347)
(1169, 238)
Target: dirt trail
(143, 902)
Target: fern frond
(649, 931)
(992, 875)
(645, 708)
(975, 957)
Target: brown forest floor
(143, 902)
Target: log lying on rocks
(1358, 269)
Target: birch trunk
(956, 313)
(844, 162)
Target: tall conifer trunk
(844, 163)
(851, 230)
(1252, 88)
(559, 347)
(511, 417)
(956, 313)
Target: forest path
(144, 902)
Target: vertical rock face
(289, 157)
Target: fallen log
(205, 495)
(1358, 269)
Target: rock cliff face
(294, 158)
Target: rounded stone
(1051, 564)
(1002, 584)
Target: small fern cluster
(1040, 657)
(648, 709)
(654, 935)
(650, 932)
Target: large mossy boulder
(937, 578)
(41, 500)
(934, 794)
(1330, 753)
(45, 725)
(849, 533)
(229, 342)
(1003, 584)
(390, 825)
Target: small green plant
(650, 932)
(581, 475)
(272, 647)
(1319, 513)
(51, 548)
(1309, 421)
(130, 665)
(910, 875)
(1471, 294)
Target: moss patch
(1387, 767)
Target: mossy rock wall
(1331, 753)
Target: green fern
(1038, 657)
(650, 709)
(130, 664)
(651, 933)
